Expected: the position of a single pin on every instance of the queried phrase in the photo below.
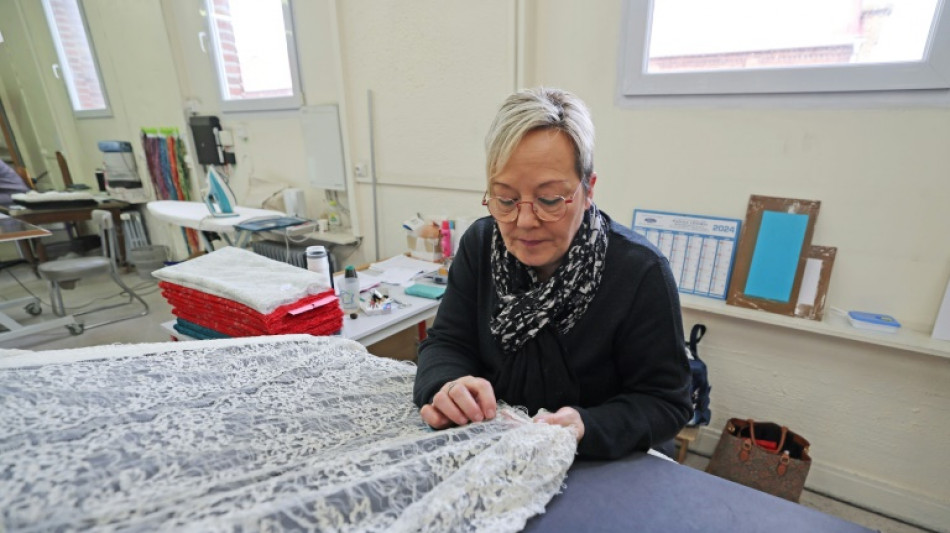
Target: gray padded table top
(645, 493)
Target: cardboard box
(425, 249)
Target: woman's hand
(565, 416)
(458, 402)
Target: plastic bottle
(350, 290)
(319, 262)
(333, 216)
(446, 239)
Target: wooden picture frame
(814, 290)
(772, 254)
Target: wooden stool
(686, 435)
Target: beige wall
(437, 71)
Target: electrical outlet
(193, 106)
(361, 170)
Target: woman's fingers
(444, 403)
(464, 400)
(484, 394)
(435, 419)
(565, 416)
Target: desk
(299, 426)
(69, 215)
(645, 493)
(195, 215)
(370, 329)
(12, 230)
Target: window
(77, 60)
(696, 47)
(254, 54)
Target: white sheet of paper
(404, 261)
(398, 276)
(367, 281)
(809, 288)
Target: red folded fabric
(238, 320)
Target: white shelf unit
(833, 325)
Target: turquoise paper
(775, 259)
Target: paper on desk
(404, 261)
(401, 269)
(367, 281)
(398, 276)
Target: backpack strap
(694, 337)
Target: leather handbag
(762, 455)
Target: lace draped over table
(279, 433)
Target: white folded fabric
(245, 277)
(51, 196)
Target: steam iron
(219, 198)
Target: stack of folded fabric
(236, 293)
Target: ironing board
(195, 215)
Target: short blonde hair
(541, 108)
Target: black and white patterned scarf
(532, 316)
(527, 306)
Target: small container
(333, 216)
(446, 239)
(350, 290)
(319, 262)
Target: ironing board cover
(269, 433)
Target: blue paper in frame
(775, 261)
(772, 253)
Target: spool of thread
(318, 261)
(350, 290)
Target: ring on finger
(452, 384)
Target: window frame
(67, 74)
(282, 103)
(933, 73)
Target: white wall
(437, 72)
(876, 416)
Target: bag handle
(781, 442)
(695, 336)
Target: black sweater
(627, 351)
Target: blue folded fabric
(197, 332)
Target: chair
(64, 273)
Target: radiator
(293, 255)
(133, 230)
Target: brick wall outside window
(228, 56)
(86, 91)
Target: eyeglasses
(546, 208)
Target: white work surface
(371, 329)
(195, 215)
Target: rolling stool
(64, 273)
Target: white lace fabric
(279, 433)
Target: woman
(552, 305)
